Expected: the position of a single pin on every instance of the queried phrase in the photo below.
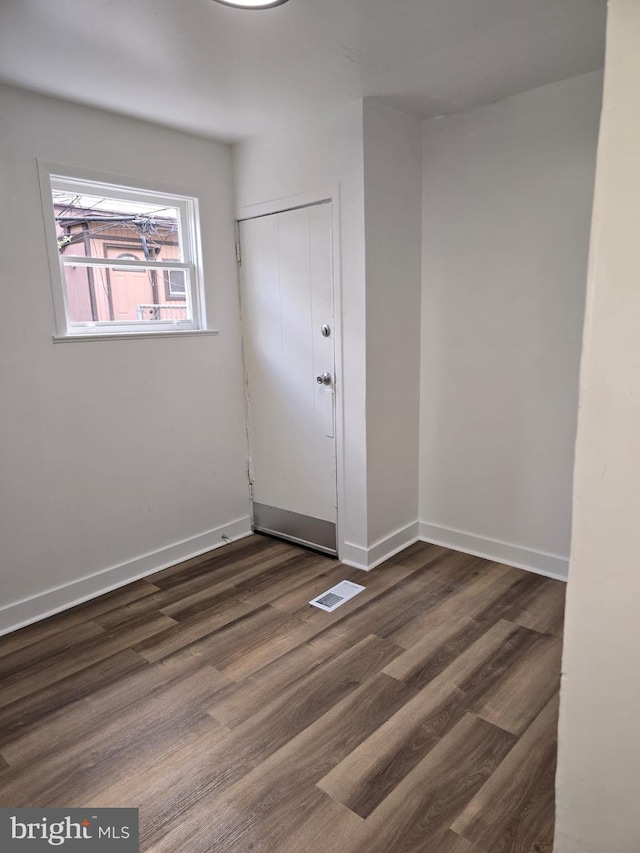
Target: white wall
(110, 450)
(507, 195)
(598, 780)
(393, 202)
(323, 153)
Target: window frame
(60, 177)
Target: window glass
(85, 222)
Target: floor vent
(336, 596)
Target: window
(127, 256)
(124, 260)
(177, 283)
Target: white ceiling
(230, 73)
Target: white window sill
(117, 336)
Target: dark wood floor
(420, 716)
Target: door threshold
(305, 530)
(309, 546)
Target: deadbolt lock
(326, 331)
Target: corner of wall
(538, 562)
(380, 551)
(52, 601)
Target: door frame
(282, 205)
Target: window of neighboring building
(127, 256)
(176, 284)
(124, 260)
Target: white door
(287, 308)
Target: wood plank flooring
(419, 716)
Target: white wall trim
(539, 562)
(21, 613)
(353, 555)
(290, 202)
(385, 548)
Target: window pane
(103, 227)
(123, 295)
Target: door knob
(324, 379)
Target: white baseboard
(352, 555)
(21, 613)
(539, 562)
(368, 558)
